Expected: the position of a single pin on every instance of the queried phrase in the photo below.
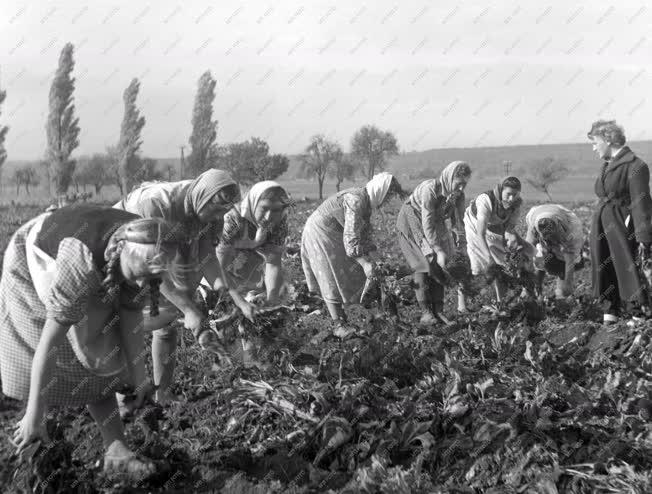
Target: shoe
(343, 331)
(130, 465)
(428, 318)
(608, 319)
(120, 460)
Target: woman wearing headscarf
(425, 238)
(196, 207)
(253, 240)
(556, 234)
(74, 282)
(337, 246)
(621, 230)
(490, 225)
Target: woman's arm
(43, 364)
(193, 317)
(569, 275)
(429, 214)
(133, 344)
(641, 203)
(273, 276)
(215, 274)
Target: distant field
(571, 189)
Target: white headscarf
(250, 201)
(377, 188)
(447, 176)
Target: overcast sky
(462, 74)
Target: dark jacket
(624, 190)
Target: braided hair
(154, 295)
(110, 287)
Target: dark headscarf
(513, 183)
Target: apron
(97, 350)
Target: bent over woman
(424, 237)
(336, 244)
(253, 240)
(196, 207)
(490, 225)
(73, 286)
(556, 234)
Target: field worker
(490, 222)
(557, 235)
(73, 285)
(253, 241)
(197, 207)
(337, 247)
(621, 230)
(425, 238)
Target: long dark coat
(623, 189)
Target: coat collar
(624, 156)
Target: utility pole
(507, 167)
(182, 163)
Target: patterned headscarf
(378, 187)
(205, 187)
(559, 216)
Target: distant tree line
(124, 166)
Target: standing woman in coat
(425, 238)
(556, 234)
(490, 225)
(622, 224)
(196, 207)
(73, 286)
(253, 240)
(337, 247)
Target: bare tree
(96, 171)
(372, 147)
(318, 159)
(542, 173)
(26, 176)
(343, 169)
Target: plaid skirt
(23, 317)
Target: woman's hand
(144, 393)
(369, 268)
(511, 241)
(29, 429)
(248, 310)
(441, 259)
(193, 320)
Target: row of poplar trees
(249, 161)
